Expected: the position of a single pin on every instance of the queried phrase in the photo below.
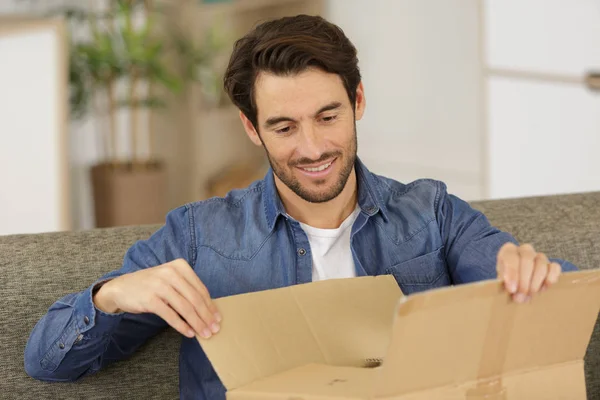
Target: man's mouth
(317, 171)
(320, 168)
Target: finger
(190, 293)
(185, 309)
(161, 309)
(540, 272)
(188, 273)
(527, 255)
(554, 271)
(508, 266)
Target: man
(318, 214)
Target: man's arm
(76, 338)
(472, 244)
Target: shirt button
(301, 251)
(86, 320)
(79, 338)
(61, 345)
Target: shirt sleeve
(74, 338)
(471, 243)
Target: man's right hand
(172, 291)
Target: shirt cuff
(565, 265)
(90, 319)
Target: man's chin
(317, 196)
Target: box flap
(323, 382)
(336, 322)
(470, 332)
(313, 381)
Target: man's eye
(329, 118)
(284, 130)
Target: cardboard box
(326, 340)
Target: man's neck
(328, 215)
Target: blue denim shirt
(417, 232)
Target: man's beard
(291, 182)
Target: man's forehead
(299, 94)
(266, 80)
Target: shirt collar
(369, 197)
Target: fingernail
(527, 299)
(519, 297)
(218, 317)
(512, 287)
(543, 288)
(206, 333)
(215, 328)
(191, 333)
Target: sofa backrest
(35, 270)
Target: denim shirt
(245, 242)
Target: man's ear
(361, 102)
(250, 130)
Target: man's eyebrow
(331, 106)
(275, 120)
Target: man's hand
(525, 271)
(172, 291)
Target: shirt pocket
(424, 272)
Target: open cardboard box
(360, 338)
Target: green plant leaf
(116, 48)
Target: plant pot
(128, 194)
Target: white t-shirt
(331, 254)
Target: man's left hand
(524, 271)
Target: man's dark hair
(288, 46)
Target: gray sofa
(38, 269)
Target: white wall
(420, 63)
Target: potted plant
(117, 52)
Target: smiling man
(318, 214)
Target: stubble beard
(288, 178)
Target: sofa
(38, 269)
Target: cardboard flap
(470, 332)
(313, 381)
(336, 322)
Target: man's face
(307, 127)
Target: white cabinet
(34, 174)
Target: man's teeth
(318, 169)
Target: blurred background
(112, 112)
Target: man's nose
(311, 143)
